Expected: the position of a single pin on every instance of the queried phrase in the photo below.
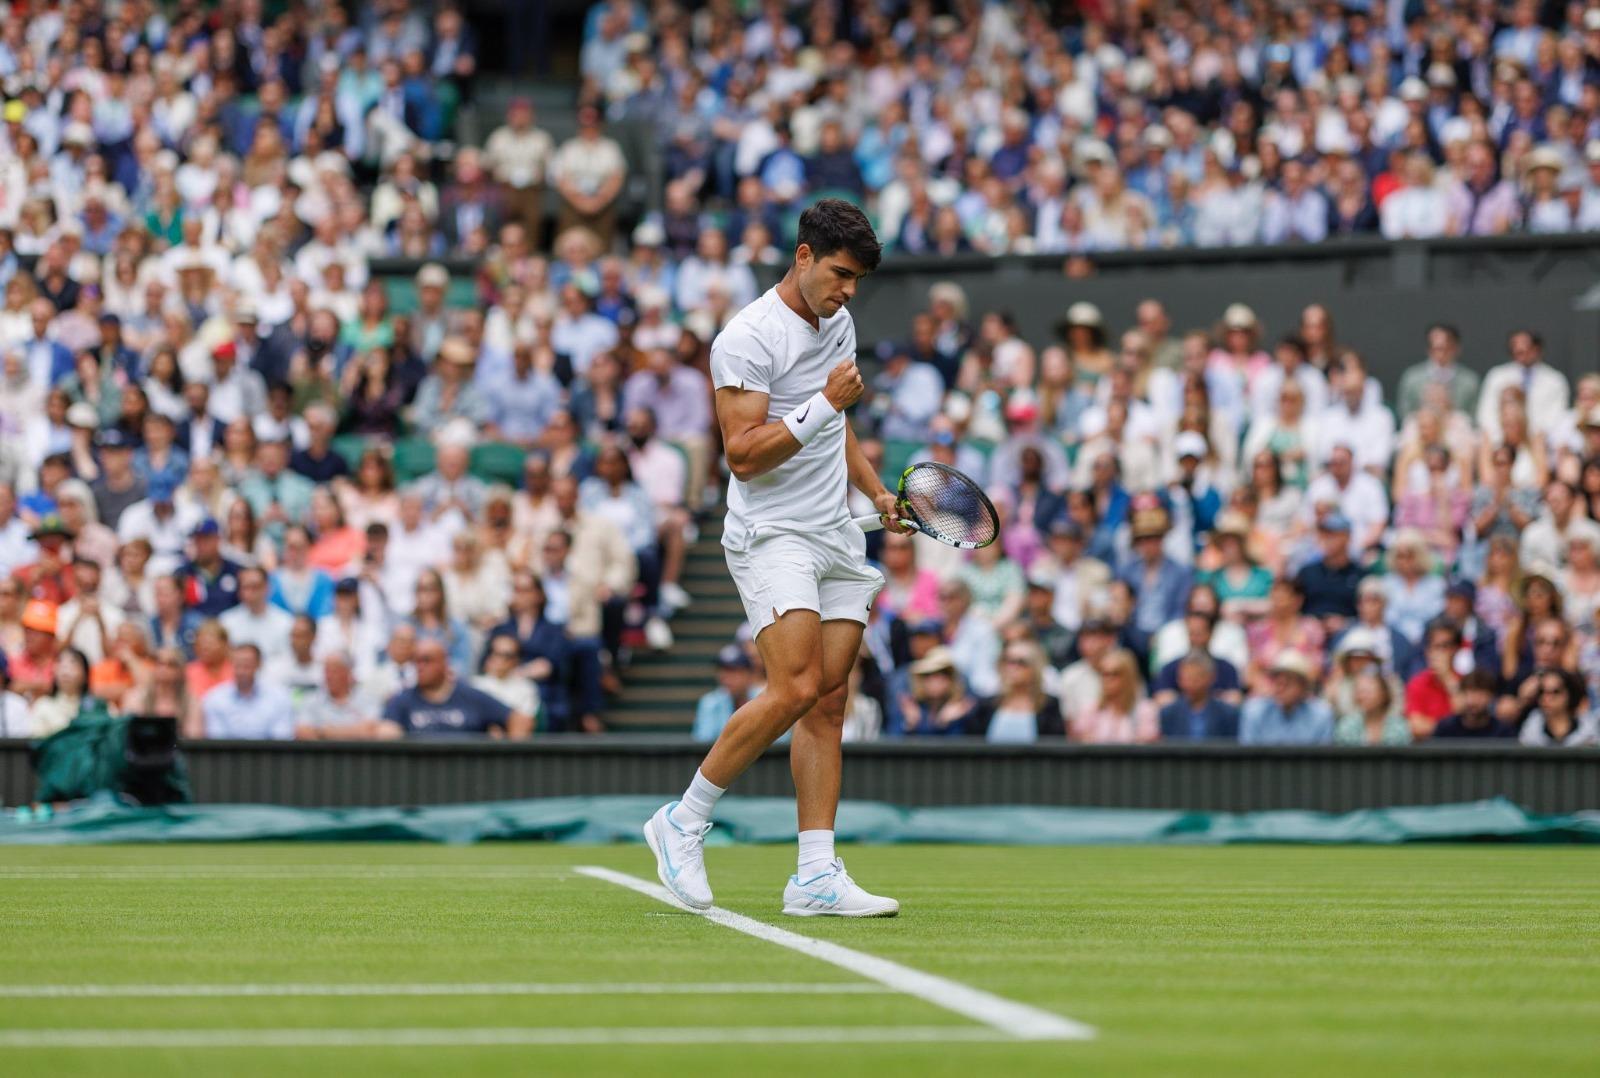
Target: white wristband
(807, 421)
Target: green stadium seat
(350, 447)
(498, 462)
(413, 458)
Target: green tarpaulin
(756, 819)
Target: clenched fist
(844, 386)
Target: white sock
(816, 853)
(697, 803)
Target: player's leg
(821, 886)
(814, 755)
(791, 650)
(782, 602)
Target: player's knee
(797, 693)
(830, 706)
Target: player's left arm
(865, 479)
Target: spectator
(501, 678)
(297, 671)
(33, 669)
(433, 620)
(172, 623)
(1331, 582)
(1546, 542)
(907, 395)
(1123, 716)
(244, 706)
(16, 715)
(736, 684)
(1544, 389)
(296, 585)
(1199, 624)
(341, 710)
(519, 154)
(1559, 718)
(939, 704)
(1054, 640)
(1159, 584)
(1357, 496)
(255, 620)
(1435, 691)
(85, 623)
(1195, 711)
(1442, 367)
(1291, 714)
(996, 584)
(542, 646)
(1080, 682)
(1286, 628)
(1475, 719)
(440, 706)
(1240, 584)
(1374, 720)
(973, 644)
(1079, 579)
(1022, 713)
(1414, 593)
(588, 171)
(119, 485)
(68, 691)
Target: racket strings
(950, 503)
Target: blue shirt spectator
(1160, 585)
(1291, 715)
(245, 708)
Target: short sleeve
(489, 711)
(740, 361)
(395, 711)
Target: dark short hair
(1446, 328)
(832, 225)
(248, 646)
(1480, 678)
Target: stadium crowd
(240, 485)
(1018, 127)
(1225, 534)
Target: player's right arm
(755, 446)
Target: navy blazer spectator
(1214, 721)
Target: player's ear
(803, 257)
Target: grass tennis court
(387, 959)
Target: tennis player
(785, 371)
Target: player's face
(830, 282)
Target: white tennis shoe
(680, 857)
(834, 894)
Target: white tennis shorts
(824, 571)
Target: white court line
(1004, 1015)
(309, 872)
(179, 991)
(485, 1037)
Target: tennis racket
(943, 504)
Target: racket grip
(872, 523)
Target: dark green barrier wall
(1383, 295)
(1205, 778)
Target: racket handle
(872, 523)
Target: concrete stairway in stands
(659, 690)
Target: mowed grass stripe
(180, 991)
(486, 1037)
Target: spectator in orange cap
(33, 670)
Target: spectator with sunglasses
(1560, 717)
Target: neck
(789, 292)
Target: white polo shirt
(769, 349)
